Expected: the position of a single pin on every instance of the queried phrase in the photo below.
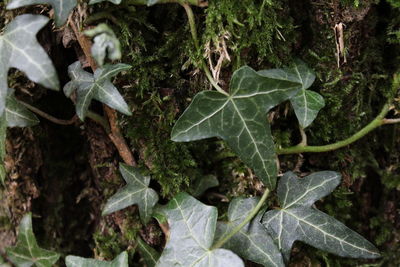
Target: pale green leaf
(252, 242)
(239, 119)
(149, 254)
(17, 115)
(19, 49)
(136, 191)
(95, 86)
(203, 183)
(306, 103)
(62, 8)
(105, 44)
(27, 252)
(298, 220)
(117, 2)
(192, 227)
(120, 261)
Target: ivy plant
(120, 261)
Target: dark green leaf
(20, 49)
(136, 191)
(62, 8)
(17, 115)
(192, 228)
(120, 261)
(204, 183)
(239, 118)
(27, 252)
(95, 86)
(105, 44)
(306, 103)
(298, 220)
(149, 254)
(252, 242)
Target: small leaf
(239, 118)
(252, 242)
(306, 103)
(117, 2)
(149, 254)
(203, 183)
(298, 220)
(105, 44)
(120, 261)
(20, 49)
(17, 115)
(136, 191)
(27, 252)
(192, 227)
(95, 86)
(62, 8)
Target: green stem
(378, 121)
(192, 25)
(249, 217)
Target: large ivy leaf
(17, 115)
(306, 103)
(149, 254)
(192, 227)
(252, 242)
(27, 252)
(20, 49)
(105, 43)
(136, 191)
(239, 118)
(62, 8)
(298, 220)
(120, 261)
(95, 86)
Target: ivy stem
(303, 136)
(47, 116)
(378, 121)
(100, 120)
(193, 30)
(248, 218)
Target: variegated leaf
(20, 49)
(136, 191)
(62, 8)
(298, 220)
(252, 242)
(120, 261)
(192, 228)
(95, 86)
(239, 118)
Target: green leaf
(239, 118)
(20, 49)
(117, 2)
(192, 228)
(136, 191)
(62, 8)
(306, 103)
(149, 254)
(252, 242)
(27, 252)
(298, 220)
(105, 43)
(17, 115)
(95, 86)
(120, 261)
(204, 183)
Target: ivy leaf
(27, 252)
(20, 49)
(62, 8)
(203, 183)
(117, 2)
(306, 103)
(298, 220)
(17, 115)
(149, 254)
(136, 191)
(105, 43)
(192, 227)
(95, 86)
(252, 242)
(239, 118)
(120, 261)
